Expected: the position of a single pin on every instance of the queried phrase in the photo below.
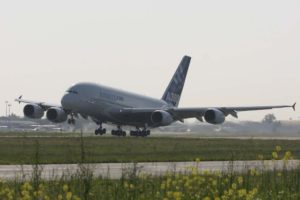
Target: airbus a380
(108, 105)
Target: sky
(244, 53)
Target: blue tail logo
(173, 92)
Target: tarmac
(117, 170)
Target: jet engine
(161, 117)
(214, 116)
(33, 111)
(56, 115)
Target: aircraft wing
(43, 105)
(183, 113)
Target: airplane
(121, 108)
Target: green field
(193, 184)
(23, 150)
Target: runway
(116, 170)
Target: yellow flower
(59, 197)
(69, 195)
(26, 186)
(194, 171)
(274, 155)
(242, 193)
(278, 148)
(253, 172)
(254, 191)
(206, 198)
(287, 155)
(260, 157)
(240, 179)
(65, 188)
(214, 183)
(39, 193)
(177, 195)
(233, 186)
(279, 174)
(206, 172)
(76, 197)
(174, 183)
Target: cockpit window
(72, 91)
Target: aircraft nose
(66, 101)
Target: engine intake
(214, 116)
(33, 111)
(56, 115)
(162, 118)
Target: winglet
(294, 106)
(19, 98)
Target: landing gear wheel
(71, 121)
(118, 132)
(100, 130)
(140, 133)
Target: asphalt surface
(116, 170)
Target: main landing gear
(141, 133)
(100, 130)
(118, 132)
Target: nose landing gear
(71, 120)
(100, 130)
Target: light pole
(6, 102)
(9, 105)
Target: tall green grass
(19, 150)
(193, 184)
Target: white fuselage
(104, 103)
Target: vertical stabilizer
(173, 92)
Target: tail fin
(173, 92)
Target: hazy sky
(243, 52)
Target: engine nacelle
(56, 115)
(162, 118)
(33, 111)
(214, 116)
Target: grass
(21, 150)
(193, 184)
